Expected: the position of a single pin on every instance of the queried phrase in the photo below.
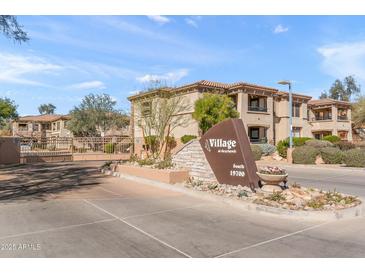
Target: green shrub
(354, 157)
(299, 141)
(213, 108)
(170, 142)
(146, 162)
(109, 148)
(283, 145)
(332, 138)
(267, 149)
(318, 143)
(344, 145)
(152, 143)
(167, 163)
(256, 151)
(187, 138)
(331, 155)
(305, 155)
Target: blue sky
(69, 57)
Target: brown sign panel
(228, 151)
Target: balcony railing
(325, 118)
(258, 141)
(256, 108)
(342, 118)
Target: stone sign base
(192, 158)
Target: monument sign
(228, 152)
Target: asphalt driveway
(71, 210)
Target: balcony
(256, 108)
(342, 118)
(325, 118)
(258, 141)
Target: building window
(23, 127)
(342, 135)
(58, 125)
(342, 114)
(146, 108)
(323, 115)
(46, 126)
(296, 110)
(257, 103)
(35, 127)
(297, 132)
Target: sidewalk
(284, 164)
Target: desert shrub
(167, 163)
(146, 162)
(109, 148)
(299, 141)
(256, 151)
(187, 138)
(170, 142)
(344, 145)
(332, 138)
(318, 143)
(332, 155)
(354, 157)
(283, 145)
(267, 149)
(152, 143)
(133, 158)
(305, 155)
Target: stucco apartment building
(264, 111)
(41, 126)
(52, 125)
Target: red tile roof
(327, 101)
(43, 118)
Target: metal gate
(58, 149)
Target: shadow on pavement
(37, 181)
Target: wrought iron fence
(109, 145)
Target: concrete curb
(358, 211)
(324, 167)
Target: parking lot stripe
(55, 229)
(274, 239)
(164, 211)
(138, 229)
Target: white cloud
(170, 77)
(279, 29)
(191, 22)
(343, 59)
(88, 85)
(20, 69)
(159, 19)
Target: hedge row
(330, 155)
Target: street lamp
(290, 112)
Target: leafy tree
(212, 109)
(358, 112)
(95, 115)
(158, 118)
(342, 90)
(7, 112)
(46, 109)
(10, 27)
